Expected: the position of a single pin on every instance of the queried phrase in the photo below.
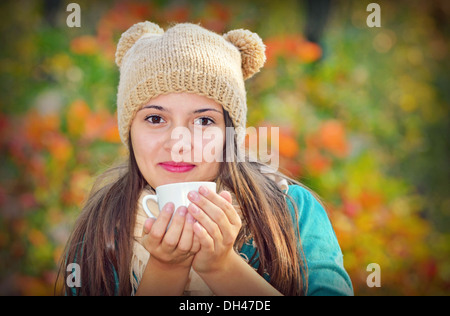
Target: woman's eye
(154, 119)
(204, 121)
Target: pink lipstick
(177, 166)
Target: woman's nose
(179, 143)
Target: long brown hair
(101, 242)
(267, 218)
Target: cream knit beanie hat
(185, 58)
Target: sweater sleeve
(324, 259)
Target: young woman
(261, 234)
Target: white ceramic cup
(175, 193)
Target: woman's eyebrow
(206, 110)
(160, 108)
(157, 107)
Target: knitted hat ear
(131, 36)
(252, 50)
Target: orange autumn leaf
(83, 122)
(111, 131)
(102, 125)
(305, 51)
(121, 16)
(274, 47)
(84, 45)
(38, 126)
(60, 148)
(292, 43)
(292, 46)
(76, 117)
(94, 123)
(308, 52)
(331, 137)
(370, 199)
(288, 146)
(315, 162)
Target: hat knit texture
(185, 58)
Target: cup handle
(144, 204)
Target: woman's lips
(177, 166)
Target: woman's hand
(223, 270)
(176, 245)
(171, 252)
(217, 228)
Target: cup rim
(186, 182)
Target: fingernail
(203, 190)
(182, 211)
(194, 209)
(168, 207)
(193, 196)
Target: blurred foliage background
(363, 116)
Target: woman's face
(171, 138)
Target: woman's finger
(227, 196)
(172, 236)
(195, 244)
(187, 236)
(211, 209)
(230, 211)
(148, 225)
(159, 227)
(218, 208)
(222, 201)
(204, 239)
(206, 222)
